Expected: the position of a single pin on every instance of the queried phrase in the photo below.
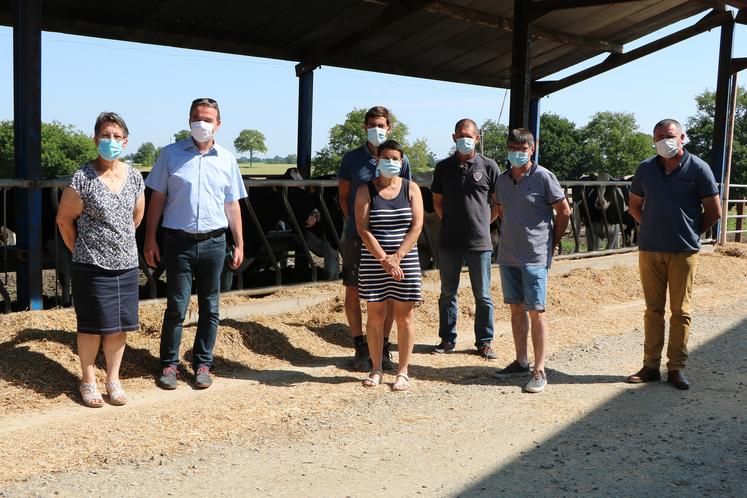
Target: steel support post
(534, 127)
(521, 78)
(27, 125)
(305, 104)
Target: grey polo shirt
(527, 224)
(672, 208)
(466, 189)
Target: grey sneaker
(167, 380)
(486, 351)
(513, 368)
(361, 360)
(537, 383)
(386, 358)
(202, 377)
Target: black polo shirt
(466, 189)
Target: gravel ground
(587, 434)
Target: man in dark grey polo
(674, 197)
(463, 187)
(534, 214)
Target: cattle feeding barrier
(283, 236)
(736, 202)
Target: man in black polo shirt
(674, 197)
(463, 187)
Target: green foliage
(493, 136)
(699, 130)
(350, 135)
(250, 141)
(421, 158)
(181, 135)
(612, 142)
(63, 149)
(145, 155)
(560, 146)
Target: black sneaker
(361, 360)
(486, 351)
(202, 377)
(514, 368)
(167, 380)
(444, 347)
(386, 358)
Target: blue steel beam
(305, 113)
(27, 124)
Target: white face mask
(667, 148)
(202, 131)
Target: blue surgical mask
(376, 136)
(389, 168)
(110, 149)
(518, 158)
(465, 145)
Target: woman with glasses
(98, 214)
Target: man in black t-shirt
(463, 188)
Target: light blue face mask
(518, 158)
(465, 145)
(389, 168)
(376, 136)
(110, 149)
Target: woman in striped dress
(389, 217)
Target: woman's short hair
(113, 118)
(391, 145)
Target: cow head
(602, 203)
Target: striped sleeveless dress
(389, 220)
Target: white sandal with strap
(117, 396)
(374, 379)
(91, 395)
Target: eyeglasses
(519, 148)
(118, 138)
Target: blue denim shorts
(527, 284)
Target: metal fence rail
(738, 204)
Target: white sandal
(91, 395)
(117, 396)
(402, 383)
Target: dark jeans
(186, 259)
(450, 268)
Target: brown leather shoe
(645, 374)
(678, 379)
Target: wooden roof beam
(492, 21)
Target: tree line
(610, 141)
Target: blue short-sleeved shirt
(196, 185)
(466, 189)
(527, 224)
(672, 207)
(359, 167)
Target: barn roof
(467, 41)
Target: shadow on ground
(651, 440)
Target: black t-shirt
(467, 189)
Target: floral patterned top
(106, 229)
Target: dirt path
(307, 428)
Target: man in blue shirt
(357, 168)
(196, 185)
(675, 198)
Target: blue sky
(152, 86)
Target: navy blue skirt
(106, 301)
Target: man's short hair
(520, 136)
(113, 118)
(391, 145)
(206, 102)
(466, 122)
(377, 112)
(668, 122)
